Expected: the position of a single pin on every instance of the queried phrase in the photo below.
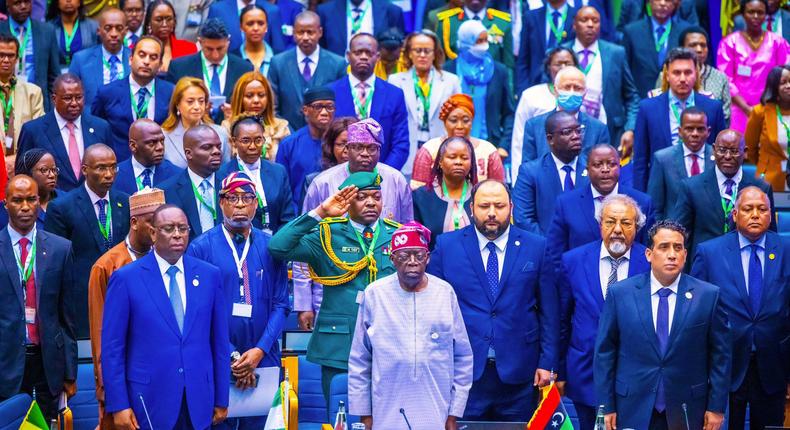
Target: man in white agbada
(410, 359)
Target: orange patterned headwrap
(462, 101)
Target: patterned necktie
(103, 221)
(307, 74)
(215, 87)
(367, 235)
(206, 218)
(555, 18)
(142, 95)
(114, 68)
(568, 182)
(147, 178)
(662, 332)
(362, 92)
(74, 151)
(492, 269)
(133, 38)
(615, 264)
(585, 54)
(728, 185)
(30, 292)
(695, 170)
(356, 19)
(175, 297)
(755, 279)
(662, 53)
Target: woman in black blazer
(444, 203)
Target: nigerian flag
(277, 415)
(551, 413)
(34, 420)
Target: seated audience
(768, 130)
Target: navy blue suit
(582, 300)
(333, 13)
(388, 108)
(652, 130)
(147, 362)
(72, 216)
(126, 182)
(45, 53)
(628, 363)
(574, 221)
(113, 102)
(280, 207)
(44, 133)
(535, 145)
(536, 191)
(668, 169)
(228, 12)
(179, 191)
(519, 322)
(640, 46)
(300, 154)
(532, 51)
(88, 65)
(54, 310)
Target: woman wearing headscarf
(487, 82)
(39, 165)
(458, 114)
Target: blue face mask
(569, 101)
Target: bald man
(196, 189)
(147, 166)
(94, 217)
(38, 348)
(751, 265)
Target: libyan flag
(551, 413)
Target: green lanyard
(674, 107)
(778, 116)
(660, 43)
(105, 229)
(139, 183)
(69, 38)
(23, 44)
(264, 215)
(27, 270)
(143, 111)
(456, 214)
(727, 206)
(8, 105)
(220, 68)
(363, 111)
(109, 69)
(356, 24)
(365, 250)
(203, 202)
(554, 29)
(425, 99)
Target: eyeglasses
(70, 99)
(569, 131)
(172, 228)
(372, 148)
(112, 168)
(732, 152)
(318, 107)
(10, 56)
(47, 170)
(246, 141)
(235, 198)
(404, 256)
(422, 51)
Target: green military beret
(363, 181)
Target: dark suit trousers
(184, 422)
(492, 399)
(658, 421)
(35, 379)
(764, 409)
(586, 415)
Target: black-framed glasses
(732, 152)
(318, 107)
(247, 141)
(235, 198)
(172, 228)
(371, 148)
(404, 256)
(569, 131)
(47, 170)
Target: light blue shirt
(106, 74)
(746, 254)
(15, 236)
(656, 25)
(674, 122)
(549, 12)
(29, 60)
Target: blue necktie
(662, 331)
(568, 183)
(142, 94)
(555, 18)
(662, 53)
(114, 68)
(492, 268)
(103, 221)
(755, 279)
(147, 178)
(175, 297)
(215, 89)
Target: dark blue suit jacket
(46, 55)
(385, 16)
(268, 287)
(72, 216)
(144, 354)
(388, 108)
(114, 103)
(178, 191)
(640, 47)
(698, 207)
(628, 363)
(125, 180)
(289, 85)
(532, 50)
(44, 133)
(520, 322)
(55, 312)
(582, 300)
(276, 188)
(574, 221)
(652, 130)
(718, 261)
(667, 171)
(228, 12)
(289, 9)
(535, 145)
(88, 66)
(536, 191)
(430, 210)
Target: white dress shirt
(594, 78)
(64, 133)
(163, 266)
(687, 159)
(95, 202)
(500, 243)
(746, 255)
(605, 267)
(721, 178)
(535, 100)
(15, 236)
(371, 81)
(367, 18)
(196, 181)
(671, 299)
(558, 164)
(597, 194)
(151, 102)
(468, 14)
(254, 172)
(313, 59)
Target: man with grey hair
(585, 275)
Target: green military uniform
(500, 34)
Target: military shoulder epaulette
(334, 220)
(493, 13)
(441, 16)
(391, 223)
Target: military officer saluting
(497, 24)
(344, 254)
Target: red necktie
(30, 293)
(694, 165)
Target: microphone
(686, 415)
(402, 412)
(148, 418)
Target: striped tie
(615, 263)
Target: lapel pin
(584, 173)
(120, 205)
(195, 282)
(90, 130)
(518, 243)
(771, 256)
(688, 295)
(45, 253)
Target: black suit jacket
(55, 312)
(46, 54)
(178, 191)
(640, 48)
(72, 216)
(333, 16)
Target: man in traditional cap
(254, 284)
(345, 254)
(138, 243)
(400, 332)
